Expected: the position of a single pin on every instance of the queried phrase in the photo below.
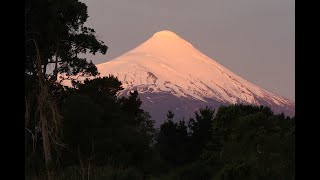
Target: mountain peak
(165, 34)
(166, 43)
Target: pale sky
(253, 38)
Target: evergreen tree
(200, 130)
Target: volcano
(170, 74)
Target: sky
(255, 39)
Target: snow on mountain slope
(168, 66)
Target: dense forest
(87, 132)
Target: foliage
(255, 139)
(238, 142)
(101, 126)
(56, 29)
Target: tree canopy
(55, 34)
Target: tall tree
(57, 29)
(54, 34)
(201, 129)
(173, 140)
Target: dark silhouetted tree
(200, 130)
(54, 34)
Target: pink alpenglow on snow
(169, 73)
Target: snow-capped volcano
(169, 73)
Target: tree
(56, 29)
(54, 34)
(201, 129)
(167, 139)
(250, 142)
(173, 140)
(140, 124)
(100, 127)
(132, 104)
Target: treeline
(100, 130)
(238, 142)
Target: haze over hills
(170, 74)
